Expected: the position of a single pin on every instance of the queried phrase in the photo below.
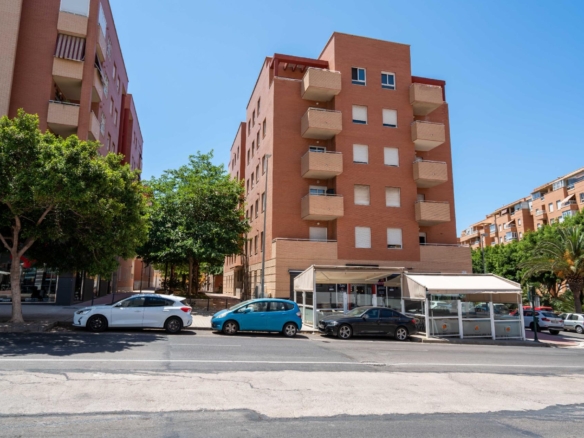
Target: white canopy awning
(417, 286)
(567, 199)
(341, 275)
(508, 223)
(4, 273)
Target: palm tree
(563, 255)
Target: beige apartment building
(349, 157)
(547, 204)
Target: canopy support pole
(459, 305)
(492, 315)
(427, 316)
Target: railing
(569, 203)
(323, 109)
(289, 239)
(539, 212)
(458, 245)
(321, 194)
(63, 103)
(429, 161)
(320, 152)
(432, 202)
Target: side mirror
(247, 310)
(365, 316)
(118, 305)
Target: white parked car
(146, 310)
(574, 321)
(545, 321)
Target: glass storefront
(37, 284)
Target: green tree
(63, 203)
(196, 217)
(563, 255)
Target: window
(108, 48)
(111, 106)
(109, 142)
(317, 149)
(390, 118)
(257, 173)
(248, 157)
(420, 197)
(360, 154)
(249, 127)
(253, 118)
(360, 114)
(118, 83)
(263, 202)
(113, 147)
(422, 238)
(391, 157)
(259, 101)
(252, 148)
(388, 80)
(133, 302)
(362, 237)
(251, 214)
(255, 245)
(392, 197)
(258, 139)
(252, 180)
(257, 210)
(500, 227)
(158, 302)
(551, 207)
(101, 20)
(264, 128)
(362, 195)
(394, 238)
(582, 197)
(262, 241)
(521, 235)
(263, 164)
(114, 70)
(78, 7)
(102, 124)
(318, 233)
(116, 118)
(317, 190)
(519, 222)
(358, 76)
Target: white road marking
(206, 345)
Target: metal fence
(212, 304)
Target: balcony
(321, 165)
(429, 213)
(322, 207)
(320, 85)
(430, 173)
(63, 118)
(321, 124)
(68, 75)
(72, 24)
(540, 214)
(425, 98)
(426, 135)
(570, 205)
(97, 89)
(93, 127)
(101, 44)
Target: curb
(480, 342)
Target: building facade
(548, 204)
(349, 157)
(62, 60)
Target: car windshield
(358, 311)
(238, 305)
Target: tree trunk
(171, 280)
(576, 288)
(191, 276)
(15, 287)
(196, 281)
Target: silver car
(575, 322)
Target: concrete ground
(206, 384)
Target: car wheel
(96, 323)
(290, 330)
(173, 325)
(345, 331)
(230, 328)
(401, 333)
(579, 330)
(554, 332)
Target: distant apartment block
(547, 204)
(360, 171)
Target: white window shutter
(360, 113)
(362, 237)
(389, 117)
(394, 238)
(391, 156)
(318, 233)
(361, 195)
(360, 153)
(392, 197)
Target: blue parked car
(262, 315)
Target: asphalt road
(207, 384)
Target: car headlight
(83, 311)
(220, 315)
(333, 323)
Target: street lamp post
(265, 208)
(532, 299)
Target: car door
(253, 316)
(569, 321)
(368, 324)
(155, 311)
(527, 317)
(388, 321)
(128, 313)
(276, 316)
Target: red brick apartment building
(547, 204)
(62, 60)
(360, 171)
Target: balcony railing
(321, 165)
(321, 124)
(72, 24)
(427, 135)
(323, 207)
(430, 173)
(425, 98)
(429, 213)
(320, 84)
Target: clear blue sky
(513, 69)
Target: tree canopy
(64, 204)
(196, 217)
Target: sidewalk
(37, 317)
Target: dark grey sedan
(368, 321)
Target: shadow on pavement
(264, 335)
(72, 343)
